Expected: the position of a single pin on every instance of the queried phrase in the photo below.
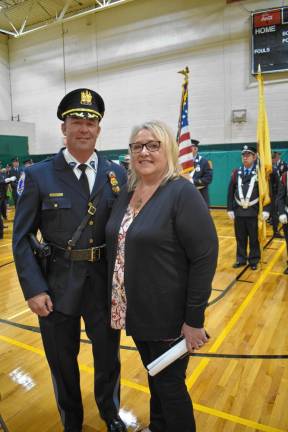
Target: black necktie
(246, 172)
(83, 179)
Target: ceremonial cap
(82, 103)
(195, 142)
(249, 149)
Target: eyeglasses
(151, 146)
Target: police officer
(68, 198)
(4, 181)
(282, 207)
(280, 165)
(15, 172)
(202, 174)
(243, 208)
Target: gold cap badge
(86, 98)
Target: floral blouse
(119, 302)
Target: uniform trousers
(171, 407)
(14, 195)
(274, 215)
(246, 228)
(61, 340)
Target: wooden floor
(238, 382)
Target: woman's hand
(195, 337)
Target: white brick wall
(131, 55)
(5, 99)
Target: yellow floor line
(191, 380)
(235, 419)
(18, 314)
(22, 345)
(277, 274)
(145, 389)
(234, 319)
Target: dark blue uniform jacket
(53, 202)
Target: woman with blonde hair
(162, 250)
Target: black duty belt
(92, 254)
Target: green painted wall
(222, 157)
(12, 146)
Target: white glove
(231, 215)
(10, 179)
(283, 218)
(265, 215)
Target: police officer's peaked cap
(195, 142)
(81, 103)
(249, 149)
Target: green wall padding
(223, 159)
(12, 146)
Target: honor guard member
(68, 198)
(202, 174)
(4, 181)
(15, 172)
(243, 208)
(282, 207)
(273, 220)
(280, 165)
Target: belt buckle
(95, 254)
(91, 209)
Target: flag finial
(184, 71)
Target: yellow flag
(264, 154)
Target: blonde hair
(162, 133)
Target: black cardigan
(170, 259)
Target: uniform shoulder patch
(21, 182)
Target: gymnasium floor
(238, 381)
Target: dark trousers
(246, 228)
(274, 215)
(14, 195)
(3, 208)
(61, 340)
(170, 404)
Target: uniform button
(91, 222)
(91, 241)
(55, 205)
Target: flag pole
(264, 162)
(183, 134)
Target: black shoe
(278, 235)
(238, 264)
(116, 425)
(253, 266)
(286, 271)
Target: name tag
(56, 194)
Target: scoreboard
(270, 40)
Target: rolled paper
(167, 358)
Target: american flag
(183, 135)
